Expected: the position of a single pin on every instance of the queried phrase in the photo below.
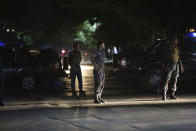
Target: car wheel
(152, 80)
(28, 83)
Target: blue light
(2, 44)
(192, 34)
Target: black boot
(74, 93)
(164, 97)
(82, 92)
(96, 100)
(101, 100)
(173, 97)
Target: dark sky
(119, 18)
(38, 11)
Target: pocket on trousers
(170, 68)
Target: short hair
(173, 37)
(99, 43)
(75, 44)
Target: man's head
(101, 45)
(174, 40)
(76, 46)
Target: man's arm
(93, 61)
(180, 65)
(180, 61)
(92, 58)
(80, 57)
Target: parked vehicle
(27, 67)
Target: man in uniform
(97, 59)
(173, 67)
(74, 60)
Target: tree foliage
(128, 22)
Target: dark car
(27, 67)
(150, 65)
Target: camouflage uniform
(173, 65)
(99, 76)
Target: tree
(128, 22)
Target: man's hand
(96, 67)
(182, 69)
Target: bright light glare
(67, 71)
(63, 51)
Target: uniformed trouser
(99, 77)
(76, 72)
(171, 75)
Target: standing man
(74, 60)
(173, 66)
(97, 59)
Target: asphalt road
(128, 107)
